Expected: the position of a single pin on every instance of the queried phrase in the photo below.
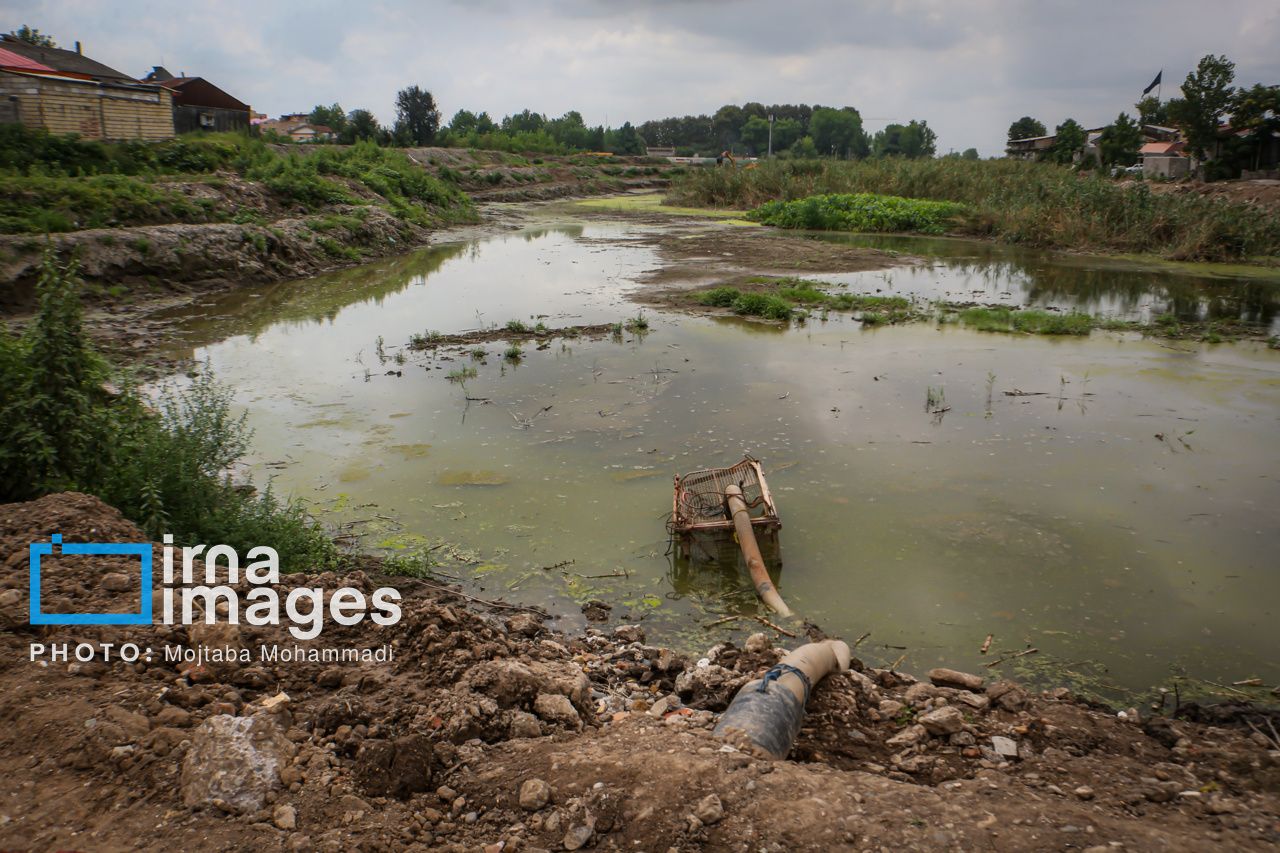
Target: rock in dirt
(910, 736)
(233, 762)
(398, 768)
(286, 818)
(524, 623)
(709, 810)
(115, 582)
(577, 838)
(946, 720)
(517, 684)
(555, 708)
(524, 724)
(331, 678)
(959, 680)
(1004, 747)
(757, 643)
(172, 716)
(534, 794)
(630, 633)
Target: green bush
(164, 465)
(860, 212)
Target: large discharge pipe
(747, 542)
(770, 709)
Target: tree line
(1208, 99)
(799, 130)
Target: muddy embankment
(480, 728)
(266, 238)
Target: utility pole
(771, 136)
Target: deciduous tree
(1206, 94)
(1025, 128)
(417, 118)
(1257, 110)
(839, 133)
(33, 36)
(1120, 141)
(1069, 140)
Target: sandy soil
(486, 731)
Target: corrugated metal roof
(66, 61)
(9, 59)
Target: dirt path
(485, 731)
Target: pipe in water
(770, 709)
(747, 542)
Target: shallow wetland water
(1119, 514)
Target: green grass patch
(860, 212)
(1030, 321)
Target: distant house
(1029, 148)
(200, 105)
(311, 133)
(285, 124)
(64, 91)
(651, 151)
(1164, 160)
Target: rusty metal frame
(698, 495)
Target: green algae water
(1111, 502)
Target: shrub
(165, 466)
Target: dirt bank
(259, 236)
(484, 730)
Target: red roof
(9, 59)
(1162, 148)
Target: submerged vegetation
(789, 299)
(165, 464)
(1033, 204)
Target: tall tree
(523, 122)
(1120, 141)
(1069, 139)
(362, 125)
(1025, 128)
(332, 117)
(463, 122)
(33, 36)
(416, 112)
(1257, 110)
(1206, 94)
(838, 133)
(627, 141)
(1151, 110)
(913, 140)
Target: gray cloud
(970, 67)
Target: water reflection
(963, 271)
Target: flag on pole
(1154, 83)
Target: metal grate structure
(700, 504)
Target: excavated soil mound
(470, 727)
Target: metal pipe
(770, 709)
(747, 541)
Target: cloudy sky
(968, 67)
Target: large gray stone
(233, 762)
